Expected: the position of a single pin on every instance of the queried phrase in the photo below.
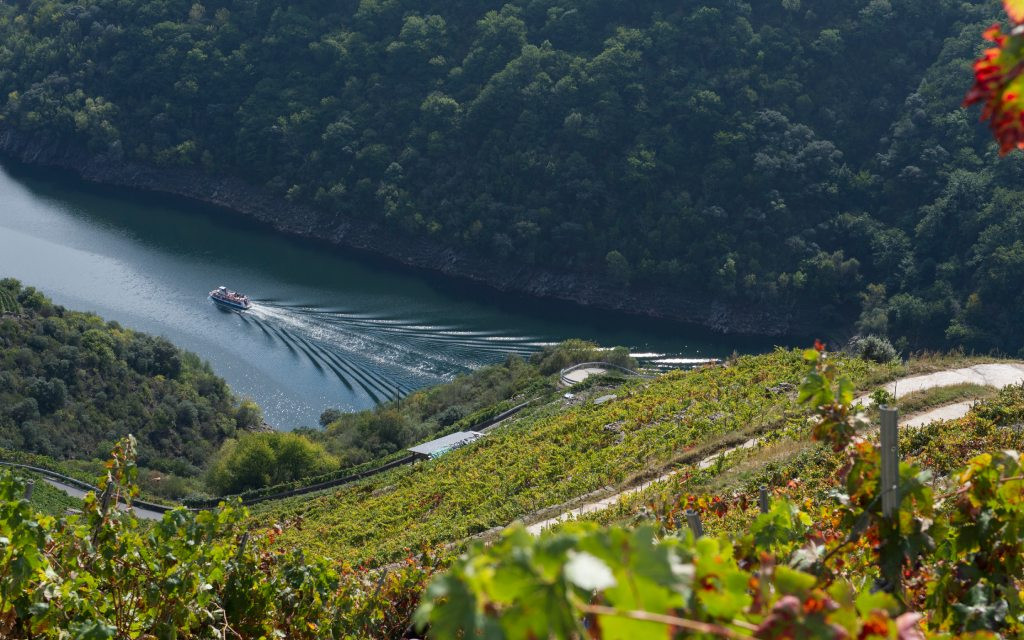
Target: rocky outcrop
(236, 195)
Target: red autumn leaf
(1014, 9)
(996, 87)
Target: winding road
(997, 374)
(78, 489)
(75, 492)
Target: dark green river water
(329, 328)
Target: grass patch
(919, 401)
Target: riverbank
(287, 217)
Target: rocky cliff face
(238, 196)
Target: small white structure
(441, 446)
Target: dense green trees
(256, 460)
(72, 384)
(743, 150)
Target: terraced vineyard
(7, 303)
(795, 468)
(551, 455)
(822, 558)
(301, 590)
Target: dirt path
(945, 412)
(996, 375)
(579, 375)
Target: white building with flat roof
(443, 445)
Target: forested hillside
(759, 152)
(71, 385)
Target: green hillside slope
(312, 568)
(823, 560)
(746, 151)
(568, 452)
(552, 454)
(71, 385)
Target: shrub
(882, 397)
(330, 415)
(258, 460)
(50, 394)
(874, 348)
(619, 356)
(103, 574)
(450, 416)
(27, 409)
(370, 434)
(248, 415)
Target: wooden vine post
(890, 460)
(693, 519)
(244, 540)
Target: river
(329, 328)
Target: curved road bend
(78, 489)
(75, 492)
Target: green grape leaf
(845, 393)
(622, 628)
(878, 601)
(456, 614)
(508, 581)
(791, 581)
(540, 613)
(92, 630)
(812, 386)
(732, 598)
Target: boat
(229, 298)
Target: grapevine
(104, 574)
(946, 564)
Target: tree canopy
(257, 460)
(743, 151)
(71, 385)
